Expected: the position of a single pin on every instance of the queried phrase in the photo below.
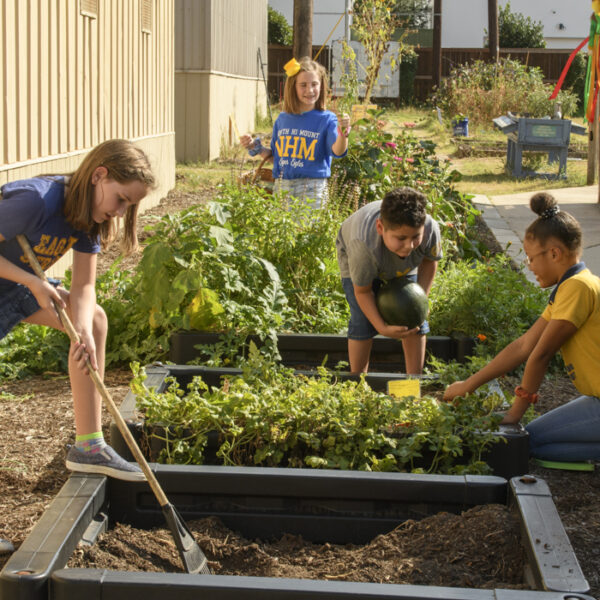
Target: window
(146, 15)
(89, 8)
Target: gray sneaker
(105, 462)
(6, 547)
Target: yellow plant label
(404, 387)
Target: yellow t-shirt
(577, 300)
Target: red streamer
(561, 79)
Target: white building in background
(326, 13)
(566, 22)
(464, 22)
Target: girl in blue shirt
(55, 214)
(306, 136)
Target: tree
(279, 30)
(515, 30)
(375, 23)
(415, 14)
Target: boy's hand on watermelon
(397, 331)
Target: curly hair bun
(543, 204)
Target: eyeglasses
(528, 260)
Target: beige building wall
(78, 72)
(219, 47)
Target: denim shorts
(313, 190)
(359, 327)
(18, 304)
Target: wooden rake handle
(110, 404)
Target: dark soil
(479, 549)
(36, 426)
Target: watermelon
(402, 302)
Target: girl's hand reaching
(458, 388)
(344, 125)
(246, 140)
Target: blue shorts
(359, 327)
(18, 304)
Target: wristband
(255, 147)
(521, 392)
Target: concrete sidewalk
(508, 217)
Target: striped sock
(90, 442)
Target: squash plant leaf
(204, 310)
(221, 235)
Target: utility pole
(436, 59)
(493, 30)
(302, 42)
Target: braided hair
(553, 223)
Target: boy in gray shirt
(391, 238)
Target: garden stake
(192, 556)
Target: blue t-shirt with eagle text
(34, 207)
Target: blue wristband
(255, 147)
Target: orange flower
(481, 337)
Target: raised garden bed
(507, 458)
(322, 506)
(312, 349)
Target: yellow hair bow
(291, 67)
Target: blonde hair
(291, 103)
(125, 162)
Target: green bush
(515, 30)
(485, 298)
(484, 91)
(279, 30)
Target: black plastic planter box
(507, 458)
(304, 349)
(333, 506)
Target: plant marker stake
(192, 556)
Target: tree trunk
(493, 30)
(302, 43)
(436, 74)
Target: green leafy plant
(515, 30)
(279, 30)
(484, 91)
(485, 298)
(348, 80)
(374, 24)
(270, 417)
(30, 349)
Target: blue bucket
(461, 127)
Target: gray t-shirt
(363, 257)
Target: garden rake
(192, 556)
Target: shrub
(279, 30)
(515, 30)
(486, 298)
(484, 91)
